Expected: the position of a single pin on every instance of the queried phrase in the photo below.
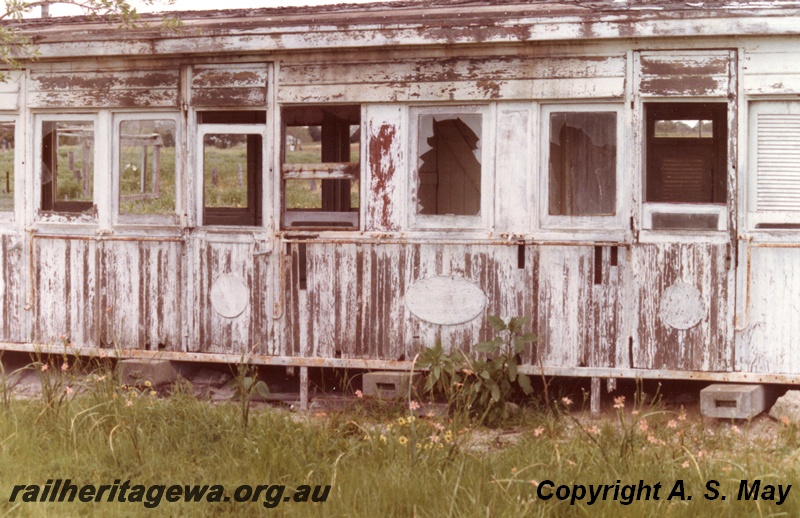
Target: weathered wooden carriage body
(626, 174)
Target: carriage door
(682, 259)
(230, 278)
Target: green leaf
(437, 372)
(486, 347)
(496, 323)
(529, 338)
(519, 345)
(512, 369)
(496, 392)
(262, 389)
(247, 383)
(525, 383)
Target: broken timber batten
(345, 192)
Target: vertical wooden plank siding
(12, 294)
(65, 282)
(360, 311)
(141, 294)
(771, 339)
(248, 331)
(704, 346)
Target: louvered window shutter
(778, 162)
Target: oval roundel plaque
(229, 296)
(445, 300)
(682, 306)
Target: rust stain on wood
(382, 168)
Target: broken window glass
(67, 168)
(147, 167)
(449, 172)
(583, 163)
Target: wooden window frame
(480, 221)
(90, 214)
(614, 221)
(683, 109)
(758, 218)
(145, 219)
(10, 216)
(248, 217)
(332, 168)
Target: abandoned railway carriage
(341, 186)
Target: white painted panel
(384, 168)
(513, 167)
(771, 70)
(9, 90)
(771, 339)
(445, 300)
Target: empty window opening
(321, 166)
(232, 169)
(6, 166)
(449, 172)
(147, 167)
(67, 168)
(583, 163)
(686, 152)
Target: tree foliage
(16, 46)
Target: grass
(377, 459)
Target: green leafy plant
(482, 387)
(245, 384)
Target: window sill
(684, 236)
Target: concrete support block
(724, 401)
(388, 384)
(137, 372)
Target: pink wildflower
(643, 425)
(413, 406)
(44, 367)
(359, 394)
(539, 431)
(567, 401)
(64, 367)
(672, 423)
